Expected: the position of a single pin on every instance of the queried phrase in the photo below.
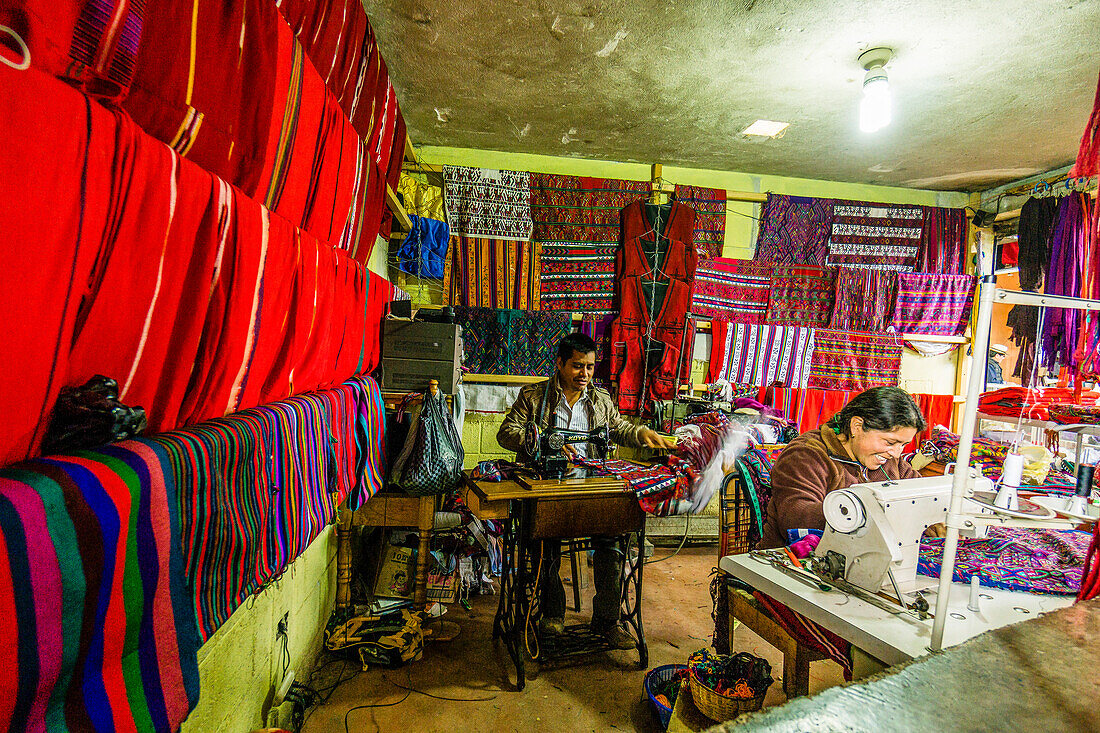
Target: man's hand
(652, 439)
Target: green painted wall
(241, 663)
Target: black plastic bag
(90, 416)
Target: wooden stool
(796, 656)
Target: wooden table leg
(343, 561)
(425, 520)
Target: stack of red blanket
(1035, 404)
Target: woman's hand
(652, 439)
(939, 529)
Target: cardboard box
(397, 576)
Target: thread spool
(1011, 476)
(1078, 503)
(972, 604)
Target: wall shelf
(398, 210)
(471, 378)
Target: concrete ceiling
(985, 92)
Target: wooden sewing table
(558, 509)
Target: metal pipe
(986, 290)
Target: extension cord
(284, 688)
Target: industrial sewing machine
(873, 532)
(545, 447)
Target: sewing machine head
(874, 530)
(544, 446)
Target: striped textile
(944, 241)
(93, 608)
(809, 409)
(845, 360)
(710, 217)
(864, 300)
(482, 202)
(256, 487)
(794, 230)
(576, 220)
(731, 290)
(498, 341)
(800, 296)
(493, 273)
(808, 633)
(761, 355)
(875, 236)
(933, 304)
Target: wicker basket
(721, 707)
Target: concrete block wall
(241, 664)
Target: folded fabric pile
(1075, 414)
(1030, 403)
(1030, 560)
(989, 456)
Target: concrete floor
(599, 693)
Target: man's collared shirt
(573, 418)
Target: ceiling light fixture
(766, 128)
(874, 109)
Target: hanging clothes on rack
(654, 272)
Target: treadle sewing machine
(548, 460)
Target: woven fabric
(808, 409)
(808, 633)
(498, 341)
(853, 361)
(420, 197)
(864, 300)
(493, 273)
(801, 296)
(1029, 560)
(576, 220)
(598, 328)
(710, 217)
(762, 355)
(875, 236)
(932, 303)
(794, 230)
(731, 290)
(1070, 246)
(944, 241)
(99, 633)
(1088, 155)
(482, 202)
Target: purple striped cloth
(933, 304)
(763, 355)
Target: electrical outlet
(281, 629)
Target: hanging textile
(97, 627)
(1028, 560)
(731, 290)
(943, 241)
(482, 202)
(420, 197)
(875, 236)
(1088, 156)
(576, 222)
(493, 273)
(854, 361)
(937, 409)
(654, 273)
(864, 300)
(932, 304)
(1036, 220)
(423, 252)
(794, 230)
(808, 409)
(801, 296)
(598, 328)
(1069, 250)
(710, 217)
(510, 341)
(760, 355)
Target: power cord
(683, 541)
(409, 691)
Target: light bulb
(874, 108)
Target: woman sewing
(861, 443)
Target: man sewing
(574, 403)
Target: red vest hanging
(647, 336)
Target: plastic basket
(654, 678)
(719, 707)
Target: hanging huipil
(654, 272)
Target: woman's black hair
(575, 342)
(882, 408)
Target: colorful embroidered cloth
(864, 300)
(761, 355)
(576, 220)
(943, 241)
(854, 361)
(801, 296)
(598, 328)
(482, 202)
(710, 217)
(875, 236)
(509, 341)
(794, 230)
(98, 632)
(933, 304)
(1030, 560)
(731, 290)
(493, 273)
